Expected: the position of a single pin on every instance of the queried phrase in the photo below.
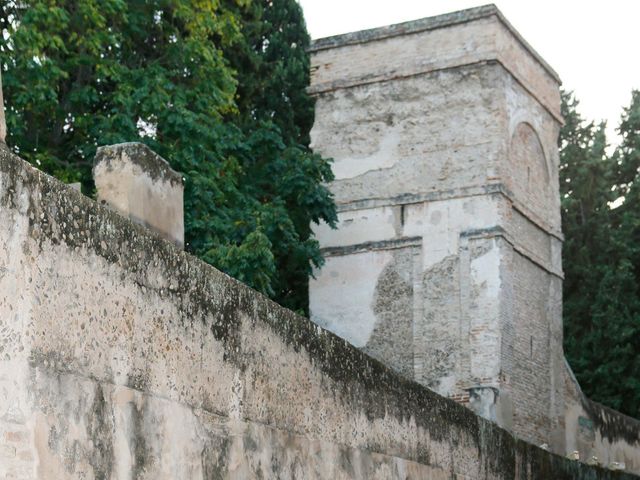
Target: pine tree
(601, 257)
(585, 189)
(617, 372)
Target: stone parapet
(140, 185)
(124, 357)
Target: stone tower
(446, 264)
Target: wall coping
(139, 154)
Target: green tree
(601, 256)
(618, 375)
(84, 73)
(276, 115)
(585, 189)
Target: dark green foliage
(185, 78)
(276, 115)
(602, 256)
(273, 68)
(83, 73)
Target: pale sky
(594, 46)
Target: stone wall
(444, 135)
(446, 263)
(123, 357)
(140, 185)
(599, 433)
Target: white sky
(594, 46)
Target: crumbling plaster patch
(391, 340)
(354, 277)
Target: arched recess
(530, 170)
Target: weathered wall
(598, 431)
(123, 357)
(444, 138)
(446, 264)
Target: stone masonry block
(140, 185)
